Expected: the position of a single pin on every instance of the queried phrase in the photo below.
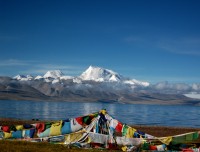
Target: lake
(161, 115)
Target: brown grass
(22, 146)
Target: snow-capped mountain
(105, 75)
(19, 77)
(100, 74)
(38, 77)
(94, 84)
(93, 73)
(23, 77)
(53, 74)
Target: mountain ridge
(95, 84)
(92, 73)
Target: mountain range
(95, 84)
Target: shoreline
(196, 102)
(158, 131)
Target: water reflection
(187, 116)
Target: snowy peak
(38, 77)
(19, 77)
(23, 77)
(100, 74)
(53, 74)
(93, 73)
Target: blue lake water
(182, 116)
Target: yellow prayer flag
(56, 128)
(7, 135)
(166, 140)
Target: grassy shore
(19, 146)
(22, 146)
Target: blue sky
(147, 40)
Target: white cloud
(177, 45)
(14, 62)
(15, 66)
(41, 69)
(187, 46)
(181, 88)
(54, 66)
(196, 86)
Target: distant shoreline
(142, 102)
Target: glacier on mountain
(95, 84)
(92, 73)
(100, 74)
(102, 79)
(53, 74)
(39, 77)
(23, 77)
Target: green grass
(23, 146)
